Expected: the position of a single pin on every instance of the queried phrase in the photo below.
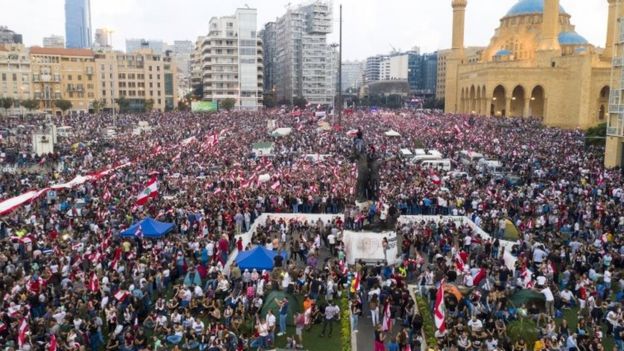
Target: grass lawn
(312, 340)
(571, 316)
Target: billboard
(204, 106)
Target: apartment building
(15, 79)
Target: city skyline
(411, 23)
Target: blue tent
(149, 227)
(259, 258)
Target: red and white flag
(275, 185)
(52, 346)
(21, 333)
(439, 310)
(150, 191)
(121, 295)
(355, 285)
(107, 195)
(94, 282)
(435, 179)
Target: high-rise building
(78, 24)
(141, 78)
(232, 60)
(8, 36)
(181, 51)
(54, 42)
(352, 76)
(197, 84)
(304, 64)
(156, 45)
(422, 74)
(269, 43)
(103, 39)
(63, 74)
(373, 69)
(15, 74)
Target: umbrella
(511, 231)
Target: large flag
(439, 311)
(355, 284)
(150, 191)
(21, 333)
(275, 185)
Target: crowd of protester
(68, 279)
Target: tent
(258, 258)
(392, 133)
(528, 297)
(150, 228)
(279, 132)
(511, 231)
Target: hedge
(345, 324)
(428, 323)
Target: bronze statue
(368, 164)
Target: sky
(370, 27)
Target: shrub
(429, 327)
(345, 324)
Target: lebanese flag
(121, 295)
(107, 195)
(387, 320)
(459, 263)
(150, 191)
(94, 282)
(436, 180)
(52, 346)
(439, 310)
(21, 336)
(275, 185)
(479, 277)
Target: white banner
(369, 247)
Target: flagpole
(340, 72)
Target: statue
(368, 164)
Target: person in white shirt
(550, 301)
(567, 297)
(271, 320)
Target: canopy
(392, 133)
(258, 258)
(281, 132)
(150, 228)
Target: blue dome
(571, 38)
(525, 7)
(503, 53)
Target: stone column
(507, 107)
(527, 106)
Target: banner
(204, 106)
(369, 247)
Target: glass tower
(78, 24)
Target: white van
(444, 165)
(469, 157)
(432, 155)
(490, 166)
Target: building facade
(232, 60)
(67, 74)
(352, 76)
(373, 70)
(473, 55)
(141, 78)
(303, 64)
(158, 46)
(103, 39)
(197, 84)
(269, 44)
(536, 65)
(54, 42)
(181, 52)
(8, 37)
(78, 24)
(614, 151)
(15, 77)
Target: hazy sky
(370, 26)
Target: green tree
(63, 105)
(98, 105)
(6, 103)
(30, 104)
(123, 103)
(300, 102)
(269, 100)
(149, 105)
(596, 135)
(227, 104)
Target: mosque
(536, 65)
